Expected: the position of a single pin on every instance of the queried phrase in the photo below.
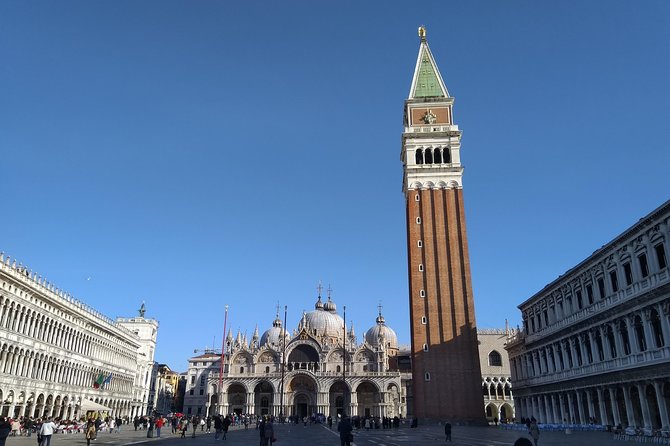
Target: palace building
(445, 364)
(61, 358)
(595, 344)
(325, 371)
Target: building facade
(58, 356)
(445, 363)
(325, 371)
(144, 387)
(496, 376)
(595, 344)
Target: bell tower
(446, 373)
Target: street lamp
(344, 362)
(283, 368)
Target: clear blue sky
(197, 154)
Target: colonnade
(642, 404)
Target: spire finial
(379, 307)
(422, 33)
(319, 288)
(330, 291)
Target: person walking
(5, 428)
(344, 428)
(90, 431)
(268, 433)
(46, 431)
(159, 423)
(218, 426)
(534, 430)
(194, 425)
(261, 431)
(226, 424)
(447, 431)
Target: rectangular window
(422, 293)
(420, 266)
(189, 411)
(660, 256)
(423, 320)
(614, 281)
(601, 287)
(580, 302)
(427, 376)
(202, 391)
(418, 220)
(644, 267)
(190, 392)
(202, 380)
(546, 318)
(419, 243)
(589, 293)
(628, 273)
(192, 379)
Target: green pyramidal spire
(427, 81)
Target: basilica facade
(318, 368)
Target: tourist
(447, 431)
(268, 433)
(5, 428)
(534, 431)
(344, 428)
(159, 423)
(46, 431)
(90, 431)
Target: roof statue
(142, 310)
(422, 33)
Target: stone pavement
(320, 435)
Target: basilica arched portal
(368, 397)
(302, 395)
(237, 398)
(263, 393)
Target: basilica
(318, 368)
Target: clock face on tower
(429, 115)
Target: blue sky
(198, 154)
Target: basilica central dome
(323, 321)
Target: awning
(87, 405)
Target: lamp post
(283, 368)
(344, 363)
(223, 356)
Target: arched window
(267, 369)
(656, 328)
(241, 369)
(339, 369)
(495, 359)
(639, 332)
(429, 156)
(446, 155)
(418, 156)
(438, 156)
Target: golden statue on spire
(422, 33)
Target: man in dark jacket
(344, 428)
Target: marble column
(641, 389)
(662, 406)
(615, 406)
(604, 418)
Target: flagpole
(223, 356)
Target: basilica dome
(273, 336)
(379, 330)
(323, 321)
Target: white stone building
(60, 357)
(496, 377)
(325, 371)
(595, 344)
